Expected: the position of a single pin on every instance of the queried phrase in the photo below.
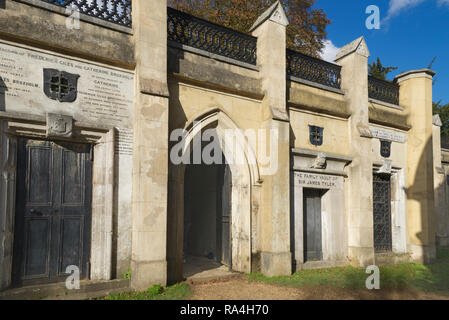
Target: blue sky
(412, 33)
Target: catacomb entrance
(207, 217)
(382, 212)
(53, 211)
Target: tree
(306, 31)
(377, 70)
(443, 112)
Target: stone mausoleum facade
(87, 109)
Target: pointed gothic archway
(245, 174)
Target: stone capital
(275, 13)
(437, 121)
(357, 46)
(420, 73)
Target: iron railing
(382, 90)
(312, 69)
(201, 34)
(115, 11)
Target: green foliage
(305, 33)
(180, 291)
(443, 112)
(377, 70)
(127, 274)
(155, 290)
(432, 277)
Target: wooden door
(53, 211)
(312, 225)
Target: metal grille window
(115, 11)
(385, 149)
(382, 213)
(316, 135)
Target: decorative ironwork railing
(115, 11)
(382, 90)
(201, 34)
(312, 69)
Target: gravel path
(242, 289)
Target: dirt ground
(242, 289)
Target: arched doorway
(207, 240)
(243, 176)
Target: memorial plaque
(104, 95)
(388, 135)
(318, 181)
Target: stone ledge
(83, 17)
(329, 156)
(212, 55)
(386, 104)
(58, 291)
(315, 85)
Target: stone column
(354, 61)
(150, 165)
(415, 96)
(442, 218)
(270, 29)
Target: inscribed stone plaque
(104, 95)
(318, 181)
(388, 135)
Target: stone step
(58, 291)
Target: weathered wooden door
(312, 225)
(226, 218)
(382, 213)
(53, 211)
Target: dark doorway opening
(207, 218)
(53, 211)
(313, 248)
(382, 213)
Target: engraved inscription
(104, 95)
(319, 181)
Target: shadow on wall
(3, 89)
(441, 204)
(419, 191)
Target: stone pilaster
(415, 96)
(354, 61)
(270, 29)
(150, 167)
(441, 216)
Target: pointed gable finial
(358, 45)
(275, 13)
(437, 121)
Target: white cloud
(397, 6)
(329, 52)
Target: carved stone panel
(59, 125)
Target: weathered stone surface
(35, 25)
(103, 94)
